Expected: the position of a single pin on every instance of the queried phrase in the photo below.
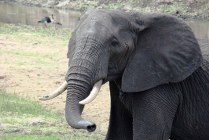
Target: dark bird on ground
(46, 20)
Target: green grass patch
(29, 58)
(22, 119)
(29, 137)
(36, 137)
(59, 33)
(19, 105)
(29, 47)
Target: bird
(45, 20)
(54, 21)
(48, 19)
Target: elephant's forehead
(97, 23)
(95, 28)
(101, 22)
(102, 19)
(108, 18)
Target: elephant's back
(192, 119)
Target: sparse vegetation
(59, 33)
(29, 53)
(34, 36)
(18, 106)
(173, 8)
(22, 119)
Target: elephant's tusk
(93, 93)
(54, 94)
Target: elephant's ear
(166, 51)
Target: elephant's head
(144, 50)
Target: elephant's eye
(114, 42)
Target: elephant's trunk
(73, 110)
(84, 71)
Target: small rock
(2, 76)
(36, 121)
(36, 43)
(57, 82)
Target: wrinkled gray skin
(158, 79)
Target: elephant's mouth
(112, 77)
(95, 90)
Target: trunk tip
(91, 128)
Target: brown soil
(34, 81)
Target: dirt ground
(34, 81)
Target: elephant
(158, 77)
